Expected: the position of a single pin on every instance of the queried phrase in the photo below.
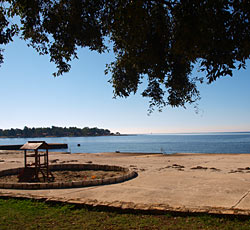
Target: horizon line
(202, 132)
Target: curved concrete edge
(128, 174)
(133, 207)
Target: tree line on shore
(54, 132)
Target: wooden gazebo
(39, 162)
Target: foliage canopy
(54, 131)
(158, 40)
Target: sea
(233, 142)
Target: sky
(31, 96)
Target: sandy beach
(215, 183)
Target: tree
(159, 41)
(54, 131)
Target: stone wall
(128, 174)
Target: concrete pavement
(215, 183)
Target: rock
(199, 167)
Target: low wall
(128, 174)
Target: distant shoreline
(122, 135)
(138, 134)
(54, 131)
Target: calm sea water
(169, 143)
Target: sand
(215, 183)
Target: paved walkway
(216, 183)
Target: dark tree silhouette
(55, 132)
(160, 41)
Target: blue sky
(31, 96)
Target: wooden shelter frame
(40, 162)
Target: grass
(28, 214)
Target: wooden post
(36, 164)
(25, 159)
(47, 163)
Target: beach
(213, 183)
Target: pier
(51, 146)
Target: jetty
(51, 146)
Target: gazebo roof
(34, 145)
